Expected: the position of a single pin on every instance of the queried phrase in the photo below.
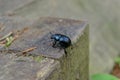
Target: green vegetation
(37, 58)
(9, 41)
(117, 60)
(103, 77)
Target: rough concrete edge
(80, 33)
(47, 69)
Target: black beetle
(60, 41)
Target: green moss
(37, 58)
(55, 75)
(75, 65)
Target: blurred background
(103, 17)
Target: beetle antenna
(51, 33)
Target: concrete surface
(25, 68)
(38, 34)
(44, 60)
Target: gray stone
(25, 68)
(38, 65)
(38, 34)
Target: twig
(4, 37)
(28, 50)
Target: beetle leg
(65, 53)
(54, 44)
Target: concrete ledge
(37, 34)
